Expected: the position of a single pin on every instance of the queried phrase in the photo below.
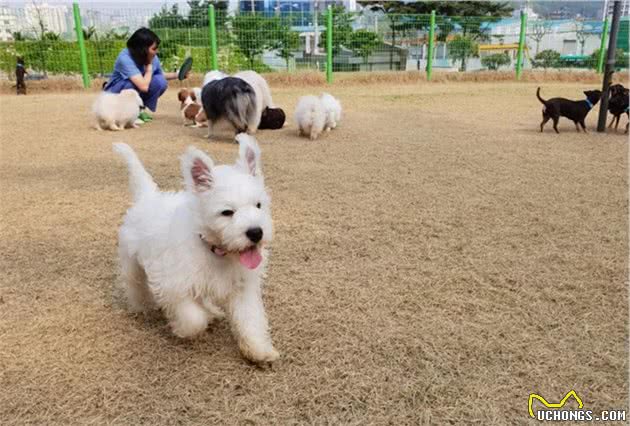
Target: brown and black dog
(575, 111)
(618, 104)
(20, 72)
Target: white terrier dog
(199, 253)
(310, 116)
(115, 111)
(332, 106)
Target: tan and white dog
(190, 108)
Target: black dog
(272, 118)
(575, 111)
(618, 104)
(233, 100)
(19, 77)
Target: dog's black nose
(254, 234)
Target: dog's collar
(590, 105)
(20, 66)
(217, 251)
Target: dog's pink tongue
(250, 258)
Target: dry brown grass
(308, 78)
(436, 260)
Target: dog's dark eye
(227, 212)
(258, 205)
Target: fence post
(213, 38)
(602, 46)
(521, 45)
(329, 55)
(431, 46)
(82, 52)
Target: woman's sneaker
(144, 117)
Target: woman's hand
(151, 53)
(143, 82)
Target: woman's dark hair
(139, 43)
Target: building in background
(54, 18)
(288, 6)
(609, 4)
(8, 23)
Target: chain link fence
(293, 40)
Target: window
(569, 47)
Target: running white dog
(200, 253)
(310, 116)
(115, 111)
(332, 107)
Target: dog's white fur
(310, 116)
(263, 93)
(166, 238)
(212, 75)
(197, 92)
(115, 111)
(332, 107)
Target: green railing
(327, 40)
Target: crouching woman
(138, 67)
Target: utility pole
(610, 66)
(316, 25)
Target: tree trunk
(391, 52)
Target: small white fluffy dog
(199, 254)
(332, 106)
(310, 116)
(115, 111)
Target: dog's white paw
(190, 320)
(259, 355)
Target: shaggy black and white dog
(232, 100)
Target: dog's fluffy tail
(140, 182)
(241, 113)
(544, 102)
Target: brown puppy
(189, 108)
(575, 111)
(618, 104)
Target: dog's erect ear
(248, 154)
(197, 170)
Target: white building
(57, 19)
(8, 23)
(566, 36)
(609, 4)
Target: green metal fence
(326, 40)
